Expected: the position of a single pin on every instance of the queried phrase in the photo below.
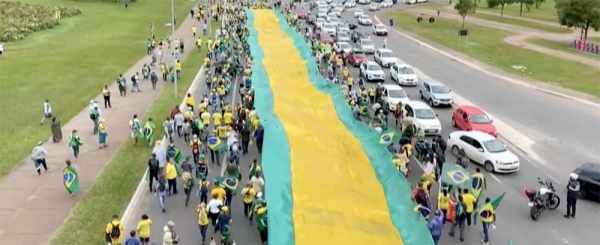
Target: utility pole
(175, 48)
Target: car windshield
(406, 71)
(357, 52)
(387, 55)
(479, 119)
(373, 67)
(329, 26)
(425, 114)
(494, 146)
(366, 43)
(345, 46)
(439, 89)
(380, 27)
(342, 34)
(397, 93)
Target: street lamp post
(175, 48)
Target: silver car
(342, 36)
(343, 27)
(436, 93)
(366, 45)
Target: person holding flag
(149, 131)
(488, 216)
(135, 127)
(215, 146)
(174, 153)
(71, 179)
(195, 146)
(201, 168)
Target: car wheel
(421, 95)
(453, 122)
(488, 166)
(430, 103)
(455, 150)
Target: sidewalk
(34, 207)
(522, 34)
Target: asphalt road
(185, 218)
(519, 107)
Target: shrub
(18, 20)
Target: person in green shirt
(261, 222)
(74, 143)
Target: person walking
(144, 227)
(38, 155)
(572, 195)
(102, 134)
(114, 231)
(133, 240)
(161, 192)
(170, 237)
(471, 203)
(214, 208)
(257, 182)
(135, 129)
(153, 172)
(188, 184)
(171, 175)
(106, 96)
(223, 226)
(459, 221)
(444, 203)
(47, 111)
(202, 220)
(56, 130)
(75, 143)
(248, 195)
(488, 217)
(436, 226)
(94, 115)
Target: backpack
(162, 187)
(153, 164)
(93, 116)
(115, 232)
(133, 78)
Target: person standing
(170, 237)
(106, 96)
(75, 143)
(102, 134)
(122, 85)
(47, 111)
(188, 184)
(171, 175)
(38, 155)
(460, 219)
(193, 29)
(202, 220)
(143, 229)
(56, 130)
(114, 231)
(572, 195)
(257, 182)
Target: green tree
(579, 13)
(474, 5)
(527, 4)
(492, 3)
(463, 7)
(501, 3)
(538, 3)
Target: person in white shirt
(170, 237)
(384, 42)
(1, 49)
(257, 182)
(38, 155)
(214, 208)
(47, 111)
(179, 121)
(135, 125)
(161, 155)
(93, 105)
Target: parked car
(365, 20)
(436, 93)
(352, 24)
(302, 15)
(404, 75)
(588, 176)
(329, 28)
(358, 13)
(374, 7)
(312, 19)
(380, 30)
(342, 37)
(386, 4)
(342, 46)
(364, 2)
(485, 150)
(356, 57)
(371, 71)
(471, 118)
(366, 45)
(350, 4)
(320, 22)
(394, 95)
(326, 38)
(343, 27)
(423, 117)
(385, 57)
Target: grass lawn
(594, 39)
(70, 64)
(546, 12)
(106, 197)
(561, 46)
(487, 45)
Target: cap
(195, 136)
(259, 195)
(171, 223)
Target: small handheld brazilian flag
(388, 137)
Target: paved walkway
(33, 208)
(523, 33)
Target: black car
(352, 24)
(589, 178)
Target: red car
(326, 38)
(357, 57)
(302, 15)
(472, 118)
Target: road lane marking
(496, 178)
(476, 67)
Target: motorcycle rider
(572, 194)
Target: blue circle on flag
(458, 176)
(386, 138)
(68, 177)
(212, 140)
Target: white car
(358, 13)
(365, 20)
(350, 4)
(386, 4)
(436, 93)
(423, 117)
(394, 95)
(366, 45)
(343, 27)
(322, 14)
(336, 13)
(329, 28)
(320, 22)
(342, 46)
(380, 30)
(385, 57)
(404, 75)
(371, 71)
(339, 9)
(373, 7)
(335, 21)
(484, 149)
(365, 2)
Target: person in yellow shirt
(194, 30)
(221, 92)
(488, 217)
(202, 220)
(178, 69)
(202, 107)
(217, 118)
(143, 229)
(190, 101)
(248, 195)
(171, 174)
(255, 123)
(444, 203)
(206, 62)
(219, 192)
(199, 44)
(350, 82)
(205, 116)
(471, 203)
(222, 131)
(189, 114)
(228, 117)
(114, 231)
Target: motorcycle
(542, 199)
